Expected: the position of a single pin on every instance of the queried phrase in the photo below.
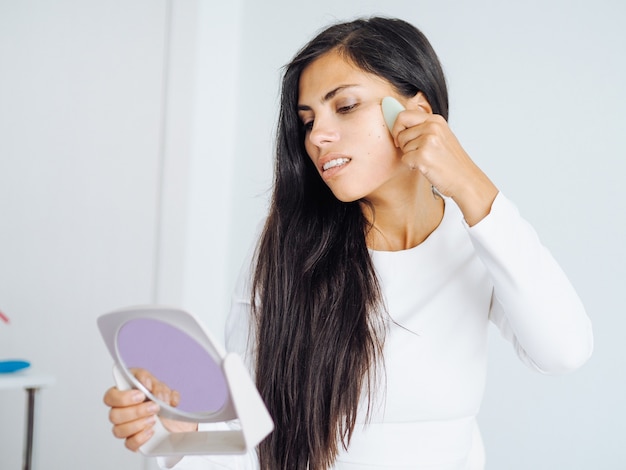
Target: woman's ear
(419, 101)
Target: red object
(4, 317)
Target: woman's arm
(534, 305)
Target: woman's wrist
(475, 200)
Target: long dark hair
(315, 295)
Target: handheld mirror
(214, 387)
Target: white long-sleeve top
(440, 296)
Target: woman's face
(346, 136)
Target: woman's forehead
(330, 73)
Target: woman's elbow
(568, 356)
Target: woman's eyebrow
(328, 96)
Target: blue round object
(13, 366)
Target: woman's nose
(323, 132)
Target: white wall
(135, 159)
(81, 87)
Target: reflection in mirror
(177, 360)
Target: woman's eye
(307, 126)
(346, 109)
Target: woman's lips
(330, 166)
(334, 163)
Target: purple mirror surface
(175, 359)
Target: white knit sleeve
(534, 305)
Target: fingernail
(150, 420)
(175, 399)
(153, 407)
(138, 396)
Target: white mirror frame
(243, 402)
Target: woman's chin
(345, 197)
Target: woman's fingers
(127, 414)
(135, 440)
(145, 377)
(407, 119)
(115, 397)
(418, 128)
(429, 145)
(162, 392)
(131, 428)
(174, 398)
(158, 389)
(132, 418)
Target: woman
(385, 254)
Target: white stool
(31, 381)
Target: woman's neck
(404, 220)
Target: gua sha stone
(391, 109)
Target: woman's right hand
(133, 416)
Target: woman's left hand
(429, 145)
